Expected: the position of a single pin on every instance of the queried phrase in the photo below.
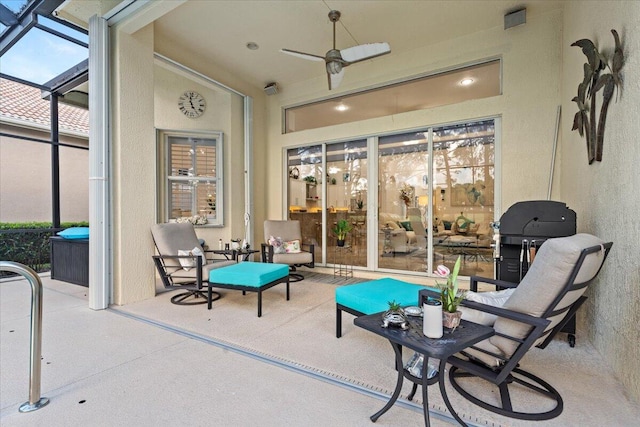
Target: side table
(465, 335)
(230, 254)
(343, 266)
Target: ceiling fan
(336, 60)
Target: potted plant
(310, 179)
(341, 229)
(395, 316)
(359, 204)
(450, 296)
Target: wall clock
(192, 104)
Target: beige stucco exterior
(25, 176)
(540, 72)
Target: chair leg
(538, 388)
(192, 298)
(338, 322)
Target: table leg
(425, 396)
(396, 392)
(443, 392)
(209, 297)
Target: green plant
(310, 179)
(342, 228)
(359, 204)
(393, 305)
(449, 294)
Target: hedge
(28, 243)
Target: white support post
(99, 176)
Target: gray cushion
(287, 230)
(543, 282)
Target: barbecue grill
(522, 229)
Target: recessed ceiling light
(252, 46)
(341, 107)
(466, 82)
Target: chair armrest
(473, 283)
(310, 248)
(266, 252)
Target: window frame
(166, 179)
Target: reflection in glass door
(403, 196)
(304, 193)
(463, 196)
(347, 186)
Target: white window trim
(164, 179)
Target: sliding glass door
(434, 189)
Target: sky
(40, 56)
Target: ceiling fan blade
(303, 55)
(335, 79)
(364, 51)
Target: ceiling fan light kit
(336, 60)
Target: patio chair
(284, 246)
(179, 265)
(548, 296)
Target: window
(193, 177)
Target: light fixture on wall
(341, 107)
(442, 194)
(466, 82)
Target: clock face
(192, 104)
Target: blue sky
(40, 56)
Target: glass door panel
(347, 187)
(304, 196)
(403, 197)
(463, 194)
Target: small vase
(451, 320)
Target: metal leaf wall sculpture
(585, 119)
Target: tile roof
(22, 102)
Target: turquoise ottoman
(373, 297)
(248, 276)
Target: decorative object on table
(406, 193)
(359, 204)
(415, 363)
(413, 310)
(432, 318)
(395, 317)
(450, 296)
(585, 119)
(235, 244)
(310, 179)
(341, 230)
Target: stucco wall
(604, 194)
(133, 157)
(528, 106)
(25, 178)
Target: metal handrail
(35, 401)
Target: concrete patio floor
(107, 368)
(102, 368)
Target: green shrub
(28, 243)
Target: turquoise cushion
(75, 233)
(372, 297)
(254, 274)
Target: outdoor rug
(301, 332)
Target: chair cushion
(291, 259)
(254, 274)
(286, 230)
(189, 263)
(492, 298)
(75, 233)
(374, 296)
(545, 279)
(172, 237)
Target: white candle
(432, 318)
